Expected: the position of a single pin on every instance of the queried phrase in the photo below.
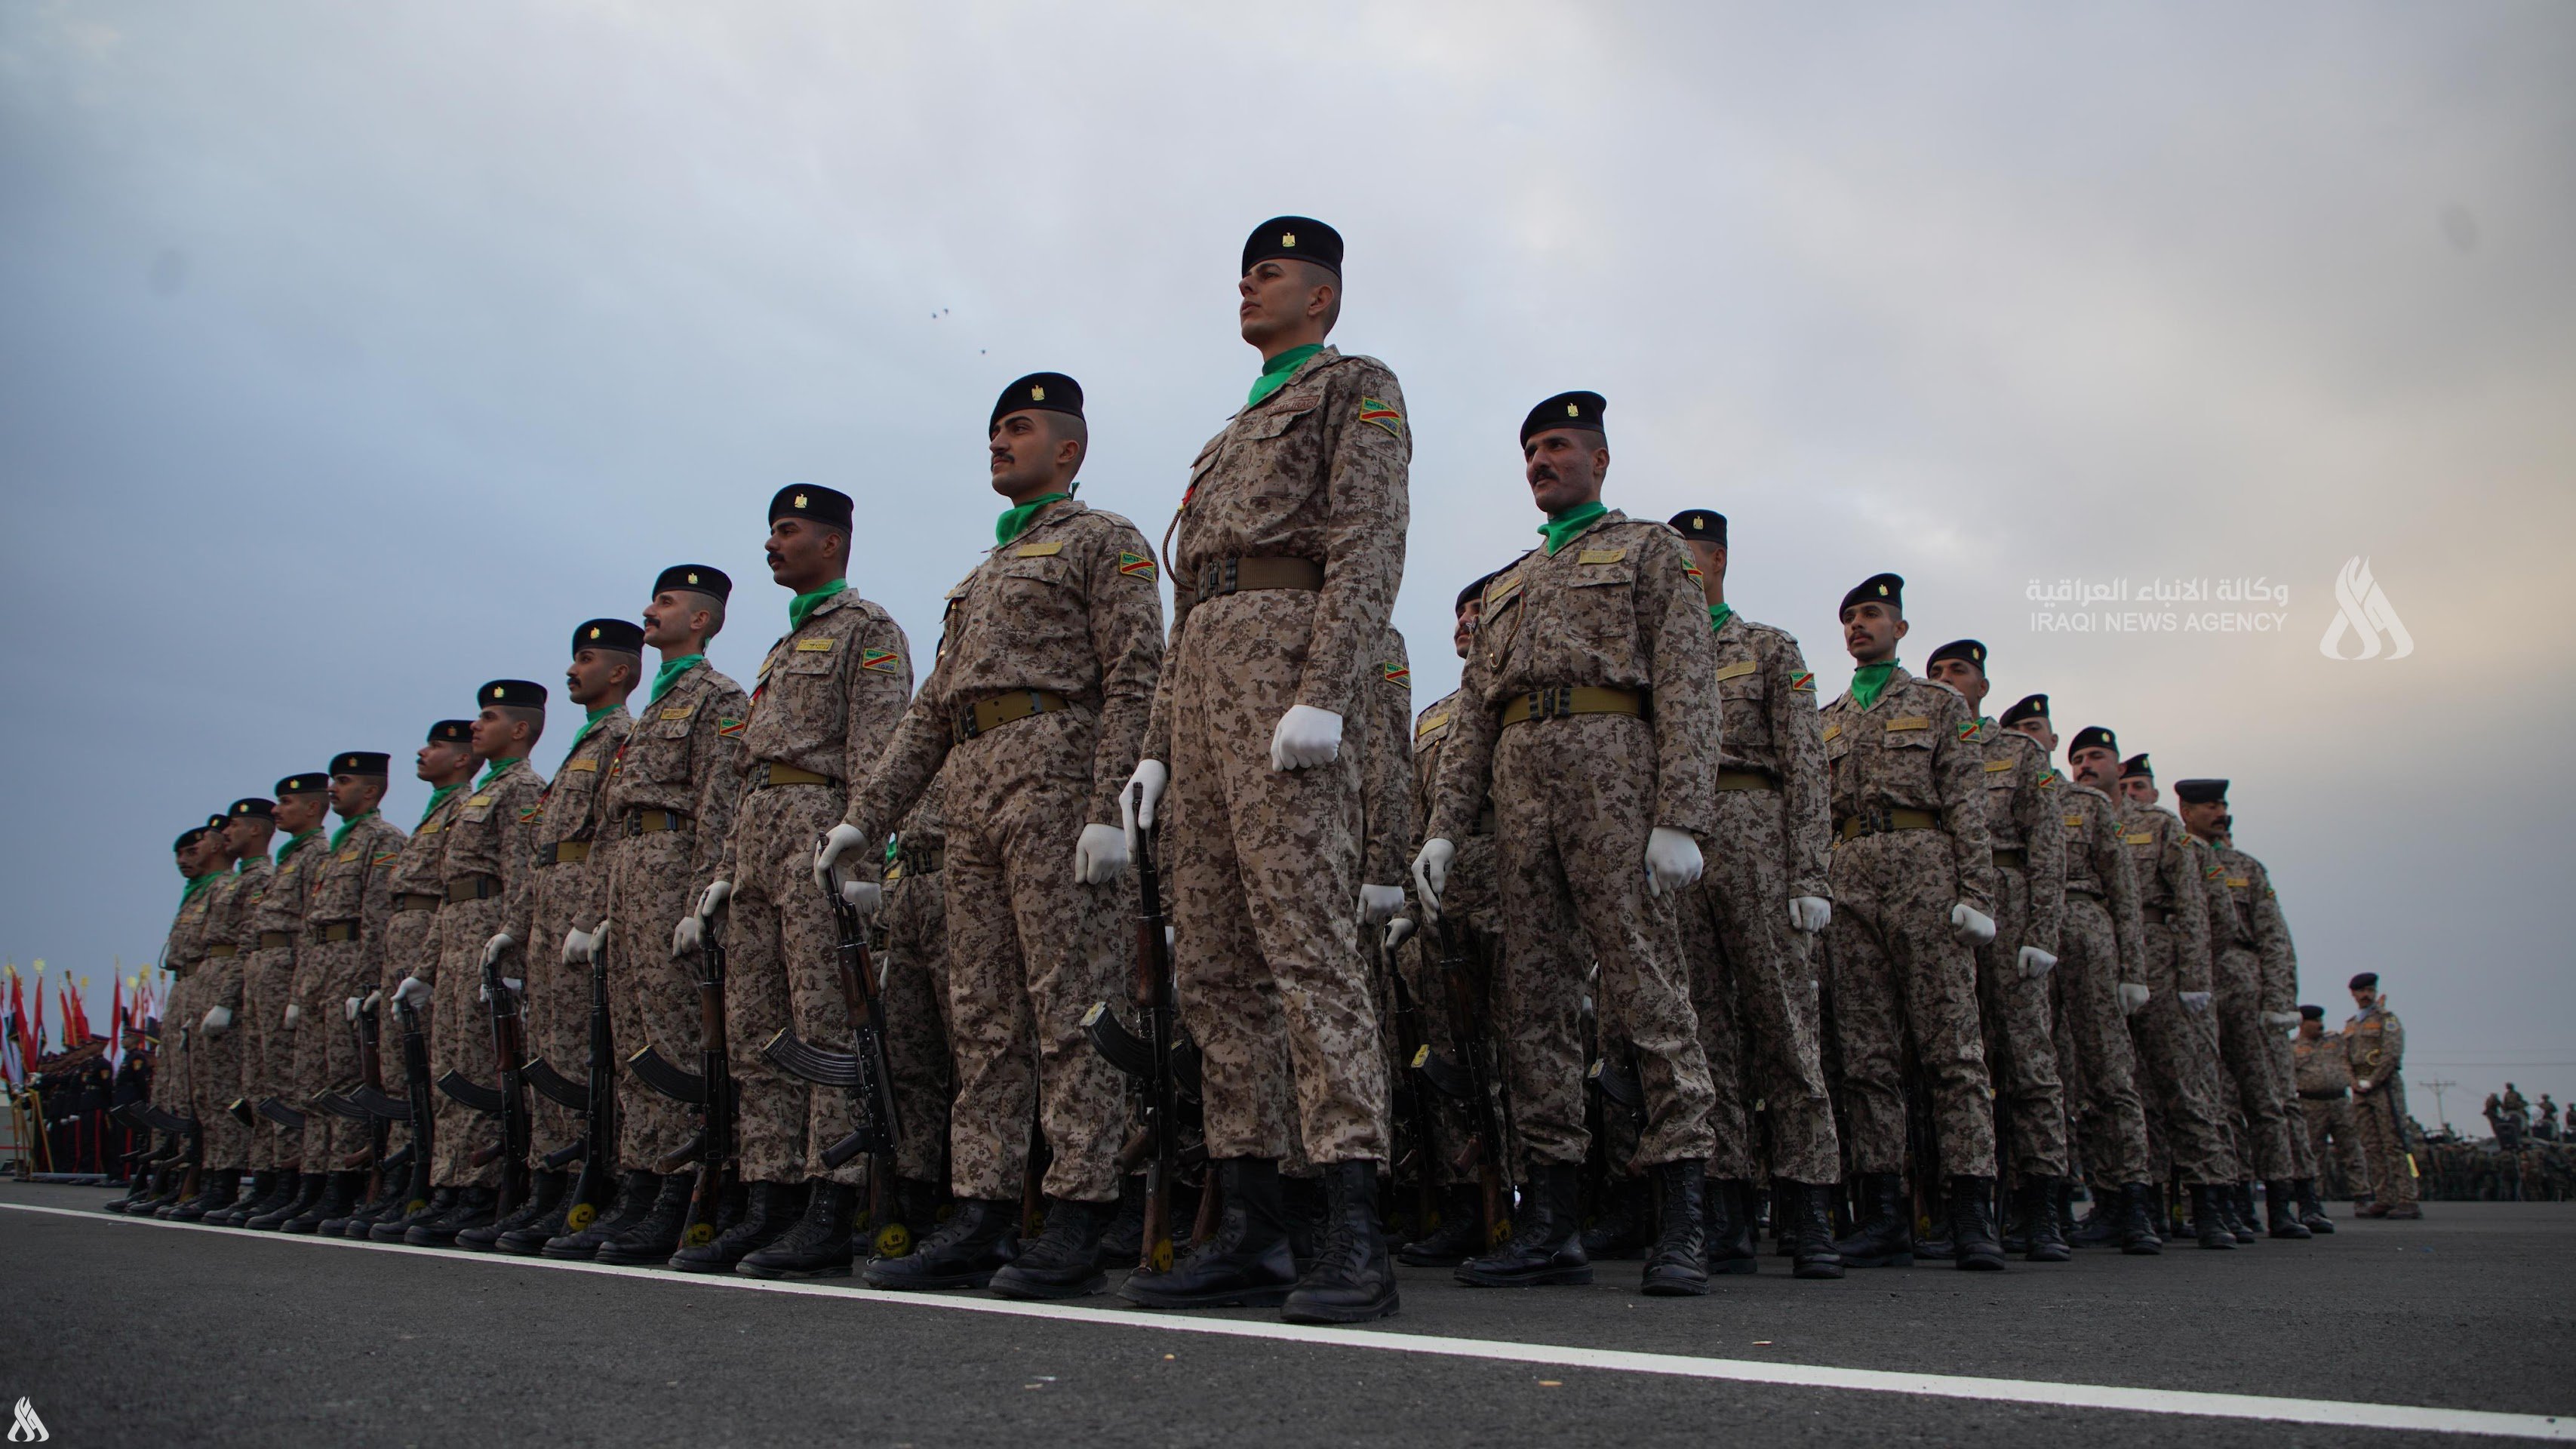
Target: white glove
(1380, 903)
(1100, 856)
(717, 893)
(351, 1008)
(867, 895)
(686, 936)
(1431, 872)
(219, 1019)
(2035, 963)
(1153, 775)
(1398, 931)
(2194, 1002)
(838, 841)
(501, 941)
(291, 1014)
(1306, 737)
(375, 1000)
(2132, 996)
(2362, 1085)
(1810, 913)
(413, 991)
(2281, 1019)
(510, 984)
(579, 944)
(1970, 926)
(1672, 860)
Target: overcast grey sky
(352, 356)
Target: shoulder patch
(1805, 680)
(730, 729)
(1137, 566)
(1375, 412)
(1396, 674)
(1968, 731)
(531, 812)
(883, 661)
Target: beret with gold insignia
(694, 579)
(826, 506)
(512, 694)
(1888, 589)
(2200, 792)
(1701, 525)
(1040, 392)
(361, 762)
(452, 732)
(618, 636)
(1968, 650)
(2093, 737)
(2029, 706)
(2136, 767)
(311, 782)
(1578, 410)
(1300, 237)
(253, 808)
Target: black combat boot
(2064, 1207)
(2208, 1223)
(474, 1207)
(1122, 1242)
(545, 1197)
(547, 1216)
(261, 1196)
(1460, 1234)
(1063, 1261)
(217, 1192)
(819, 1246)
(980, 1239)
(1726, 1226)
(1883, 1238)
(2281, 1212)
(2104, 1219)
(1245, 1263)
(1621, 1231)
(1351, 1280)
(2135, 1227)
(1783, 1205)
(651, 1239)
(338, 1197)
(2236, 1209)
(637, 1191)
(2039, 1209)
(309, 1188)
(392, 1226)
(1806, 1215)
(1546, 1244)
(2016, 1225)
(1677, 1265)
(1972, 1225)
(2312, 1210)
(769, 1210)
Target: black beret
(1886, 589)
(312, 782)
(215, 822)
(825, 506)
(254, 808)
(2029, 706)
(2092, 737)
(512, 694)
(1039, 392)
(2136, 766)
(1565, 410)
(1472, 592)
(188, 837)
(1967, 649)
(694, 579)
(2366, 981)
(1702, 525)
(2200, 792)
(1301, 237)
(452, 732)
(618, 636)
(362, 762)
(2313, 1013)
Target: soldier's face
(1278, 297)
(2097, 767)
(595, 674)
(500, 733)
(299, 813)
(1027, 454)
(246, 835)
(1564, 468)
(2205, 819)
(2363, 996)
(1870, 630)
(2141, 789)
(355, 795)
(2310, 1028)
(1962, 676)
(1465, 632)
(674, 618)
(804, 555)
(2037, 728)
(441, 758)
(1711, 559)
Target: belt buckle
(1877, 821)
(967, 729)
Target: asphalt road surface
(125, 1333)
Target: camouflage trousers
(327, 974)
(411, 949)
(1573, 805)
(782, 970)
(1453, 1122)
(558, 1006)
(2095, 1060)
(652, 995)
(267, 1051)
(169, 1061)
(2392, 1165)
(2245, 1058)
(2334, 1136)
(1898, 972)
(1264, 880)
(917, 1028)
(2285, 1074)
(216, 1079)
(2179, 1054)
(2021, 1047)
(465, 1046)
(1754, 987)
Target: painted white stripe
(1939, 1386)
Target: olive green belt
(416, 901)
(1560, 701)
(1017, 705)
(338, 931)
(1880, 822)
(473, 888)
(570, 852)
(773, 774)
(654, 822)
(1746, 780)
(275, 940)
(1236, 575)
(219, 952)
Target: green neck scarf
(1274, 373)
(342, 831)
(670, 672)
(1015, 520)
(1718, 614)
(1562, 527)
(492, 771)
(1869, 679)
(197, 885)
(803, 604)
(589, 721)
(437, 798)
(295, 843)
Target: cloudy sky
(353, 356)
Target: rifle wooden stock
(715, 1078)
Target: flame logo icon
(2362, 608)
(28, 1429)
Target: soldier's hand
(1398, 931)
(219, 1019)
(2132, 996)
(1970, 926)
(501, 941)
(686, 936)
(1380, 903)
(866, 895)
(2194, 1002)
(1100, 856)
(717, 893)
(1136, 803)
(1810, 913)
(291, 1014)
(375, 1000)
(1431, 872)
(1672, 860)
(836, 842)
(2362, 1086)
(1305, 737)
(413, 991)
(2281, 1020)
(351, 1008)
(578, 944)
(2035, 963)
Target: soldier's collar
(1323, 359)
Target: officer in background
(2324, 1068)
(2375, 1044)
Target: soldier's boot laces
(1351, 1280)
(2312, 1209)
(981, 1238)
(1064, 1259)
(2281, 1212)
(1122, 1242)
(2039, 1208)
(217, 1192)
(309, 1188)
(1620, 1232)
(2208, 1225)
(1884, 1237)
(1726, 1225)
(1245, 1262)
(339, 1192)
(1972, 1225)
(1807, 1213)
(1546, 1245)
(474, 1207)
(654, 1237)
(1460, 1234)
(391, 1227)
(1677, 1267)
(770, 1211)
(2134, 1227)
(637, 1191)
(258, 1198)
(819, 1246)
(547, 1216)
(545, 1194)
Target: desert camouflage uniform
(1265, 875)
(2178, 1049)
(570, 888)
(1753, 975)
(917, 991)
(270, 968)
(411, 946)
(1897, 969)
(672, 790)
(1575, 799)
(2024, 822)
(1388, 828)
(2324, 1073)
(2101, 943)
(825, 704)
(489, 874)
(181, 1051)
(2278, 977)
(230, 938)
(2244, 1057)
(342, 955)
(2375, 1044)
(1472, 906)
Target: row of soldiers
(1691, 929)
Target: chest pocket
(1428, 734)
(475, 811)
(1837, 742)
(1741, 690)
(1600, 600)
(811, 663)
(1500, 623)
(1905, 757)
(1043, 582)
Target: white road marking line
(1938, 1386)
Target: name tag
(1039, 550)
(480, 800)
(2143, 837)
(690, 710)
(1997, 767)
(1496, 594)
(1430, 722)
(575, 767)
(2239, 882)
(1909, 722)
(2074, 822)
(1737, 670)
(813, 646)
(1601, 556)
(1833, 732)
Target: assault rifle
(863, 1070)
(509, 1100)
(1147, 1061)
(709, 1089)
(1471, 1081)
(595, 1098)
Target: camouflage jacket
(2022, 791)
(493, 834)
(2321, 1065)
(1913, 749)
(229, 907)
(186, 944)
(1773, 729)
(683, 754)
(1386, 788)
(828, 698)
(420, 869)
(2097, 864)
(2169, 869)
(355, 886)
(282, 907)
(1471, 891)
(2258, 910)
(568, 814)
(2375, 1044)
